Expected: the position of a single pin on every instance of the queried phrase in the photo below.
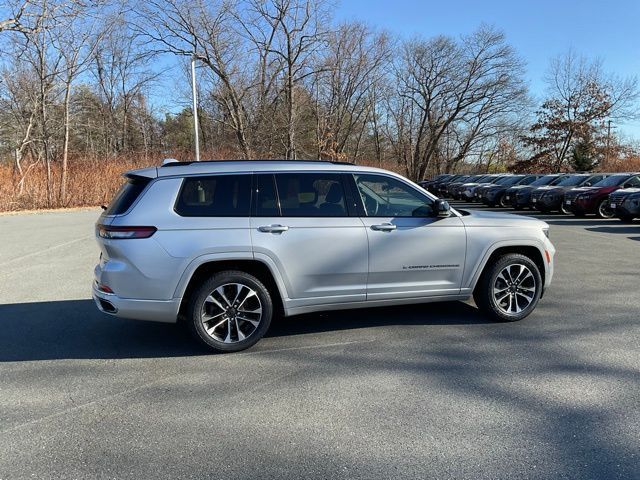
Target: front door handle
(273, 228)
(384, 227)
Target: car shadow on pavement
(76, 329)
(445, 313)
(629, 229)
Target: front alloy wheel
(509, 288)
(514, 289)
(604, 211)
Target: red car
(589, 200)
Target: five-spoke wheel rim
(514, 289)
(231, 313)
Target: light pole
(194, 94)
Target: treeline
(281, 79)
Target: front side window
(311, 195)
(215, 196)
(384, 196)
(632, 182)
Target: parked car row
(606, 195)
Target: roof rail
(170, 162)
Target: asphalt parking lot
(431, 391)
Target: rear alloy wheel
(509, 289)
(502, 202)
(604, 211)
(230, 312)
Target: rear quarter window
(127, 194)
(215, 196)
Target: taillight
(123, 233)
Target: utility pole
(196, 135)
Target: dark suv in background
(494, 194)
(519, 196)
(625, 203)
(595, 199)
(550, 197)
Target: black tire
(196, 305)
(502, 202)
(626, 218)
(564, 209)
(604, 211)
(483, 293)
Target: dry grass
(92, 182)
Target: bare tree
(461, 92)
(76, 42)
(204, 30)
(301, 33)
(24, 17)
(353, 64)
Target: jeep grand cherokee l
(223, 245)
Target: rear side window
(311, 195)
(127, 194)
(215, 196)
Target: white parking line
(124, 393)
(44, 250)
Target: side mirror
(442, 209)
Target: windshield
(527, 180)
(483, 178)
(612, 181)
(546, 180)
(572, 180)
(508, 181)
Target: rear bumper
(165, 311)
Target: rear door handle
(384, 227)
(273, 228)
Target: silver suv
(225, 245)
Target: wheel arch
(531, 250)
(207, 267)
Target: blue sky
(539, 30)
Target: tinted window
(632, 182)
(546, 180)
(594, 179)
(612, 181)
(216, 196)
(127, 195)
(387, 197)
(572, 180)
(266, 198)
(527, 180)
(311, 195)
